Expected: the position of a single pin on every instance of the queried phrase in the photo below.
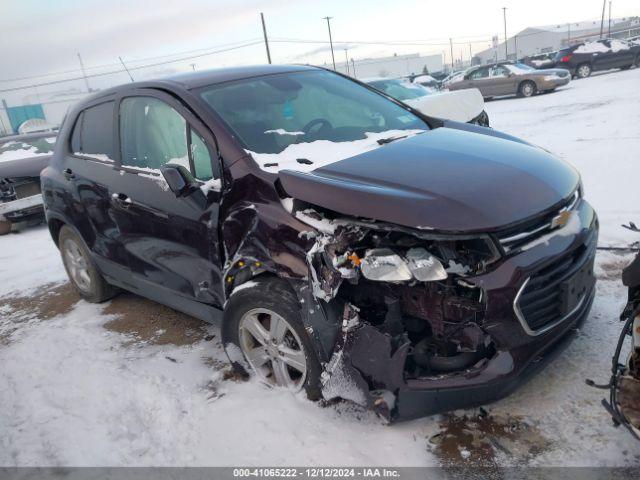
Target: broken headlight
(383, 264)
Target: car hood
(459, 105)
(446, 179)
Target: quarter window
(202, 167)
(93, 132)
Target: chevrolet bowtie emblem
(561, 219)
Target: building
(395, 66)
(550, 38)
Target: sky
(43, 38)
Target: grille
(524, 233)
(540, 304)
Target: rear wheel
(81, 269)
(527, 89)
(263, 334)
(583, 71)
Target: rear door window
(96, 132)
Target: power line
(115, 64)
(138, 67)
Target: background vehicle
(426, 81)
(510, 79)
(22, 158)
(352, 247)
(461, 106)
(541, 61)
(624, 384)
(604, 54)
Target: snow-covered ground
(132, 383)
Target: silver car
(510, 79)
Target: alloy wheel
(77, 265)
(584, 71)
(527, 90)
(273, 349)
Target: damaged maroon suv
(349, 245)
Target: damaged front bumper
(532, 299)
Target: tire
(636, 63)
(626, 67)
(5, 227)
(527, 89)
(583, 70)
(81, 269)
(267, 299)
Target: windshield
(400, 90)
(272, 112)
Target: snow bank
(308, 156)
(18, 150)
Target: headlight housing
(384, 265)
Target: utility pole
(609, 34)
(506, 49)
(604, 6)
(346, 56)
(125, 68)
(515, 46)
(568, 34)
(470, 56)
(84, 74)
(451, 47)
(193, 66)
(330, 40)
(266, 41)
(353, 67)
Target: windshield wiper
(382, 141)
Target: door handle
(68, 173)
(121, 199)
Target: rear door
(90, 169)
(605, 59)
(172, 244)
(480, 79)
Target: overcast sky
(43, 37)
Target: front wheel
(583, 71)
(527, 89)
(263, 334)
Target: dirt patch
(486, 441)
(145, 321)
(48, 302)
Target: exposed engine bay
(403, 293)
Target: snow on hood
(459, 105)
(304, 157)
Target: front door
(172, 243)
(503, 82)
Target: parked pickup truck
(22, 158)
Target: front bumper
(554, 83)
(521, 350)
(533, 298)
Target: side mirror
(179, 179)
